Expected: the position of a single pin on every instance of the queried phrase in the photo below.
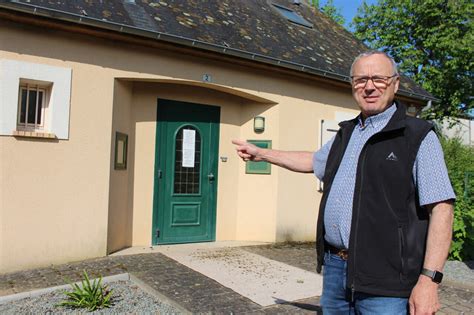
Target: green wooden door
(185, 188)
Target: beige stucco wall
(120, 216)
(298, 197)
(55, 193)
(63, 201)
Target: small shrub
(460, 161)
(91, 295)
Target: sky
(348, 8)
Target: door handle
(160, 173)
(210, 177)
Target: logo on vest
(392, 157)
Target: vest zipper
(353, 288)
(402, 249)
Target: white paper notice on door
(189, 147)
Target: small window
(292, 16)
(32, 107)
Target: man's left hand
(424, 297)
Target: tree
(330, 10)
(431, 41)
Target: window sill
(33, 134)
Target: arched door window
(187, 170)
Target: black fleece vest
(388, 229)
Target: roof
(250, 29)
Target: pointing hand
(247, 151)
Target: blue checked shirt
(429, 173)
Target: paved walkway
(196, 292)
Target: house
(461, 128)
(116, 121)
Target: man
(385, 219)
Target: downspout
(424, 109)
(427, 107)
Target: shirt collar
(379, 119)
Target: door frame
(161, 134)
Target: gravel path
(460, 273)
(303, 255)
(128, 298)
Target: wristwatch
(435, 276)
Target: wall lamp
(259, 124)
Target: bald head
(374, 82)
(371, 53)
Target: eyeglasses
(379, 81)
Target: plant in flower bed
(90, 295)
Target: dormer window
(292, 16)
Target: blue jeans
(333, 300)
